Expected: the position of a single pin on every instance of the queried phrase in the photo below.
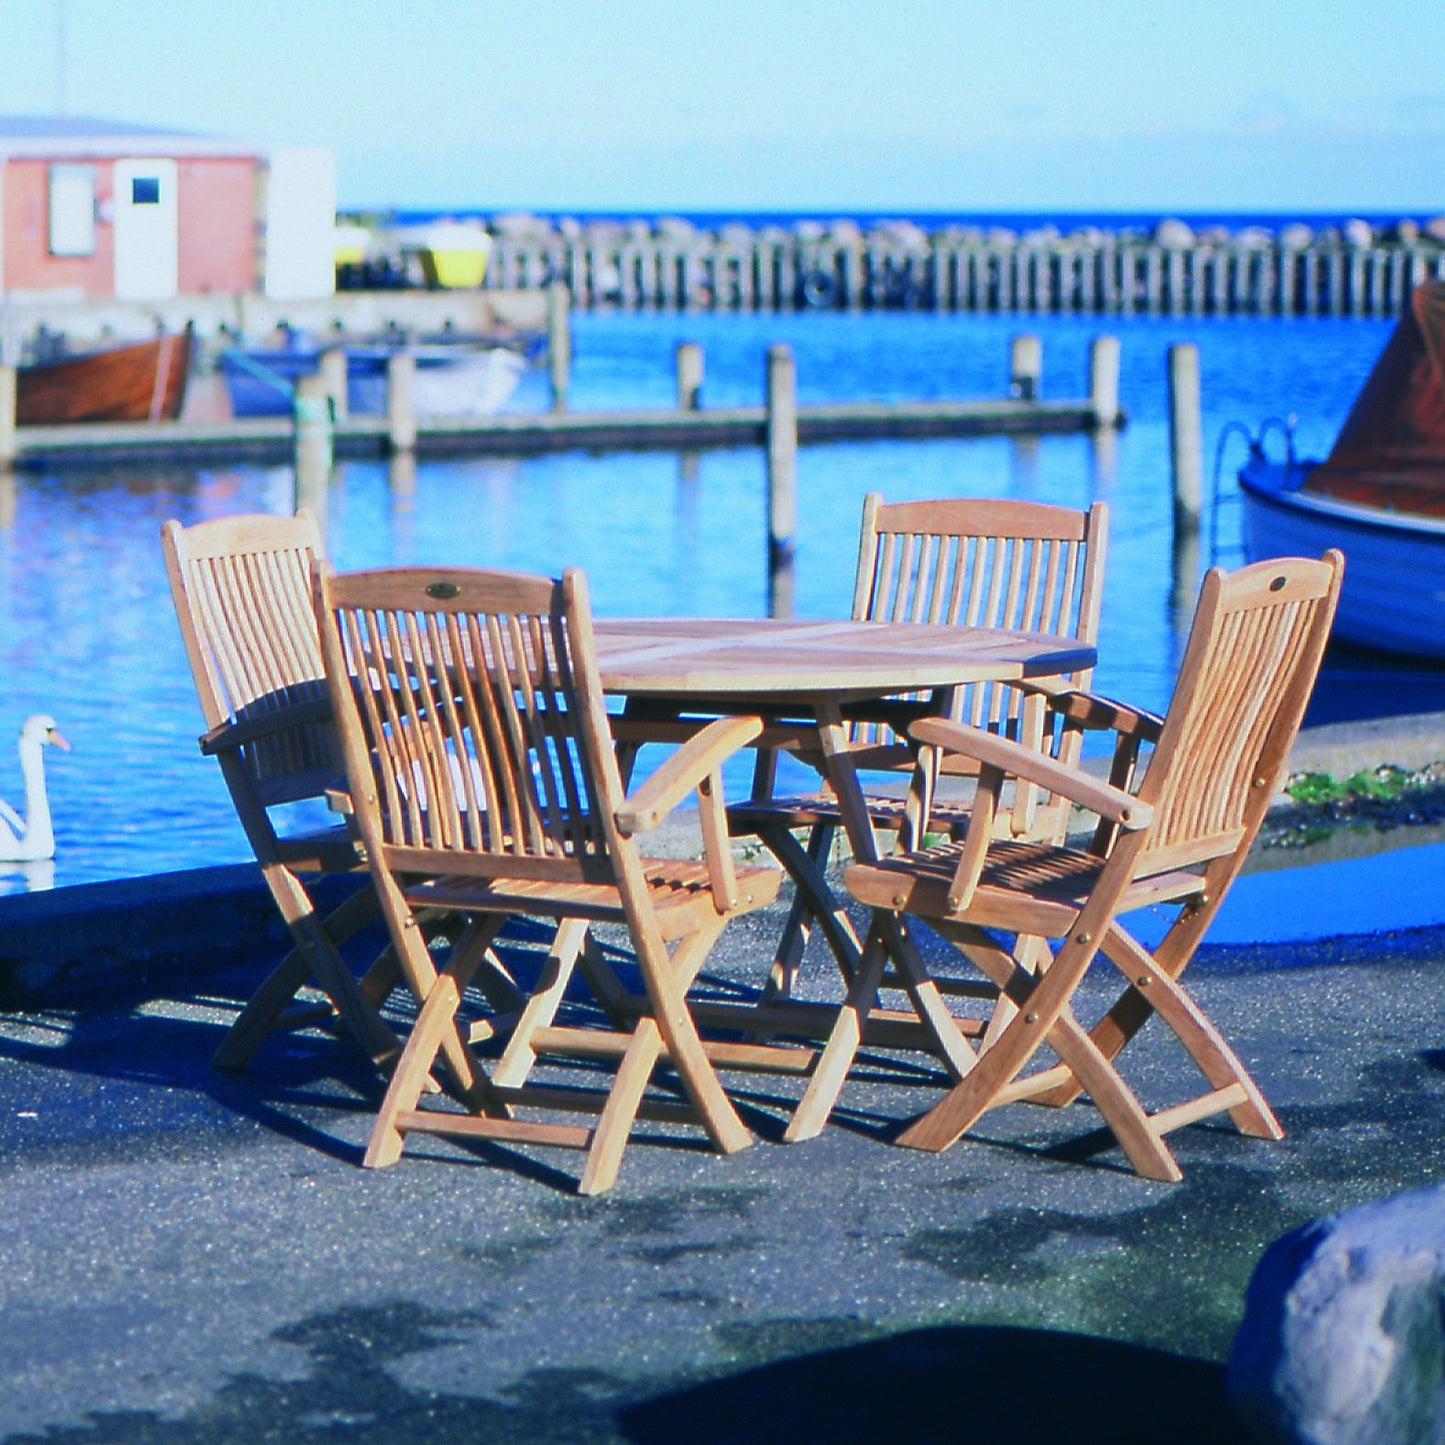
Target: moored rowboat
(141, 382)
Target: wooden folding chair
(1177, 838)
(973, 563)
(483, 780)
(242, 592)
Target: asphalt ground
(187, 1255)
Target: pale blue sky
(645, 105)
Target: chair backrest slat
(1258, 637)
(464, 696)
(977, 563)
(242, 592)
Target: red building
(94, 208)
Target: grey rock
(1358, 233)
(1343, 1339)
(1174, 234)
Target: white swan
(24, 839)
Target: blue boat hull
(1393, 598)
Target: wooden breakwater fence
(1108, 275)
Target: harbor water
(87, 632)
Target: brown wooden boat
(143, 382)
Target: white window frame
(72, 210)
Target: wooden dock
(269, 440)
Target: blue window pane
(145, 191)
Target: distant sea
(938, 220)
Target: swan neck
(37, 806)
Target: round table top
(680, 656)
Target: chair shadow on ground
(951, 1383)
(155, 1027)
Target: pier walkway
(272, 439)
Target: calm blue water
(87, 631)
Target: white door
(146, 228)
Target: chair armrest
(1012, 758)
(692, 764)
(1092, 711)
(227, 736)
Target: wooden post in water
(782, 445)
(1186, 445)
(7, 417)
(689, 359)
(559, 343)
(1025, 367)
(401, 401)
(1104, 380)
(313, 442)
(333, 369)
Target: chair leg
(614, 1126)
(1212, 1055)
(518, 1059)
(953, 1049)
(813, 900)
(1162, 994)
(611, 995)
(1040, 999)
(1115, 1100)
(436, 1025)
(313, 958)
(842, 1047)
(668, 978)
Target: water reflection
(1104, 462)
(33, 877)
(1184, 589)
(1024, 467)
(310, 488)
(782, 576)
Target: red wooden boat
(143, 382)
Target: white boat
(460, 381)
(1379, 496)
(449, 380)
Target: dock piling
(1104, 380)
(1025, 367)
(313, 442)
(7, 417)
(782, 447)
(401, 402)
(333, 369)
(690, 371)
(1186, 448)
(559, 343)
